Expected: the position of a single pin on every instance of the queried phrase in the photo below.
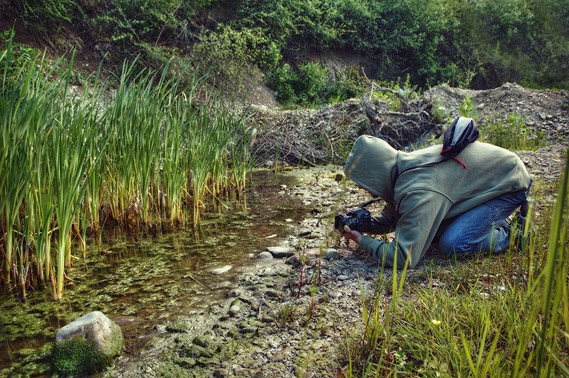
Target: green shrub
(478, 44)
(311, 84)
(348, 83)
(467, 109)
(226, 54)
(302, 86)
(129, 22)
(512, 134)
(306, 23)
(43, 15)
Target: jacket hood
(372, 164)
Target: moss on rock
(78, 356)
(83, 353)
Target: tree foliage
(478, 44)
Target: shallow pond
(140, 281)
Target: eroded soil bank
(292, 316)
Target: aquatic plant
(139, 154)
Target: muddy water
(140, 281)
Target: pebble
(318, 344)
(305, 232)
(247, 329)
(331, 254)
(265, 255)
(335, 294)
(220, 373)
(313, 253)
(281, 252)
(222, 270)
(281, 354)
(293, 260)
(343, 277)
(234, 310)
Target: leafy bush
(301, 23)
(227, 53)
(311, 84)
(43, 15)
(346, 84)
(129, 22)
(477, 44)
(300, 86)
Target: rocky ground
(295, 307)
(290, 311)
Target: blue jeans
(483, 228)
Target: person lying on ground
(472, 196)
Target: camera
(358, 220)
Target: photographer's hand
(352, 235)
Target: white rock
(222, 270)
(94, 327)
(280, 252)
(264, 255)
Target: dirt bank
(325, 135)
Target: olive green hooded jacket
(423, 190)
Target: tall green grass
(140, 153)
(512, 134)
(510, 320)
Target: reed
(140, 153)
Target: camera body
(358, 220)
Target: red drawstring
(454, 158)
(459, 162)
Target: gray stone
(186, 362)
(331, 254)
(293, 260)
(222, 270)
(235, 309)
(304, 232)
(313, 253)
(220, 373)
(343, 277)
(178, 327)
(281, 252)
(318, 344)
(265, 255)
(87, 345)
